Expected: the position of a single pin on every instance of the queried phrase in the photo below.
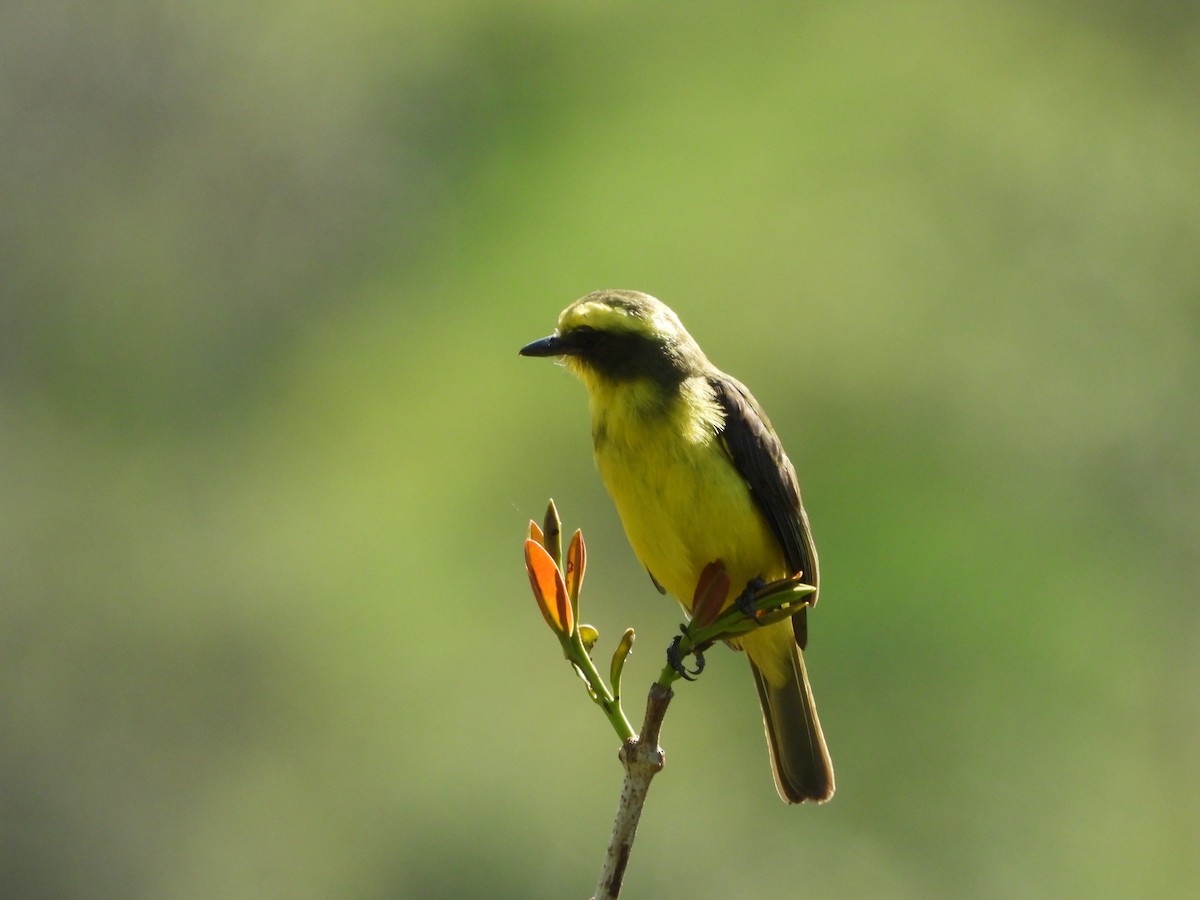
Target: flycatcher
(698, 474)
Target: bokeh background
(267, 451)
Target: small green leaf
(618, 661)
(589, 635)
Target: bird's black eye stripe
(623, 355)
(585, 338)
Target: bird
(699, 476)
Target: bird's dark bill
(547, 346)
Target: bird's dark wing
(758, 455)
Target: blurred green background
(267, 451)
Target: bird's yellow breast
(682, 502)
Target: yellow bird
(698, 475)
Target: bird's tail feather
(799, 757)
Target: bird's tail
(799, 757)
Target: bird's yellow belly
(684, 505)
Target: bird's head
(610, 337)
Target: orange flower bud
(549, 589)
(576, 563)
(712, 590)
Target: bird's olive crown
(624, 335)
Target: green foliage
(266, 445)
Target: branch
(643, 759)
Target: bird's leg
(745, 600)
(675, 657)
(675, 660)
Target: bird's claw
(675, 659)
(745, 600)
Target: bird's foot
(745, 600)
(675, 657)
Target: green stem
(667, 676)
(600, 692)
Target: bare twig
(643, 759)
